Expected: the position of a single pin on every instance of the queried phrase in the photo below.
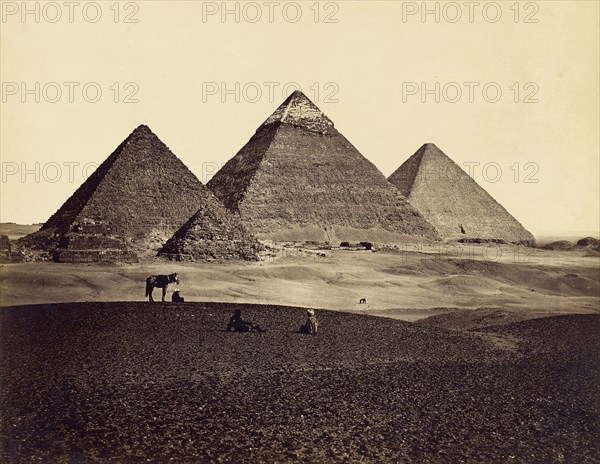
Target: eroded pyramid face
(452, 201)
(298, 178)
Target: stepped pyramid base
(93, 248)
(226, 252)
(211, 250)
(96, 256)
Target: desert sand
(141, 382)
(403, 284)
(475, 360)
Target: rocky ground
(140, 382)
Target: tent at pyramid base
(299, 177)
(453, 202)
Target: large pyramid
(134, 201)
(298, 178)
(453, 202)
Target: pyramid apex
(298, 97)
(142, 128)
(428, 146)
(141, 132)
(298, 92)
(298, 110)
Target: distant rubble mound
(559, 245)
(298, 175)
(589, 242)
(212, 233)
(8, 252)
(590, 245)
(137, 198)
(453, 202)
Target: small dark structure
(5, 248)
(9, 253)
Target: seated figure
(176, 297)
(237, 324)
(311, 326)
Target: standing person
(237, 324)
(312, 325)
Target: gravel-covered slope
(138, 382)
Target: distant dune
(404, 285)
(16, 231)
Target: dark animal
(363, 301)
(160, 281)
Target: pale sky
(366, 71)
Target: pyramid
(298, 178)
(134, 201)
(212, 233)
(453, 202)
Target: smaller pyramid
(132, 203)
(449, 199)
(212, 233)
